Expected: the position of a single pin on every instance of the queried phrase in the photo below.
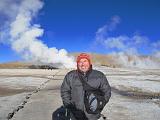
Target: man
(72, 91)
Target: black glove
(70, 107)
(78, 114)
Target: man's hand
(78, 114)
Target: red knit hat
(84, 55)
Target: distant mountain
(25, 65)
(97, 59)
(17, 64)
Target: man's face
(83, 65)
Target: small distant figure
(85, 91)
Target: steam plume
(24, 36)
(126, 50)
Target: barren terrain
(34, 94)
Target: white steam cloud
(127, 50)
(102, 32)
(24, 36)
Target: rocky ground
(33, 94)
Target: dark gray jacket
(72, 89)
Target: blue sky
(72, 24)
